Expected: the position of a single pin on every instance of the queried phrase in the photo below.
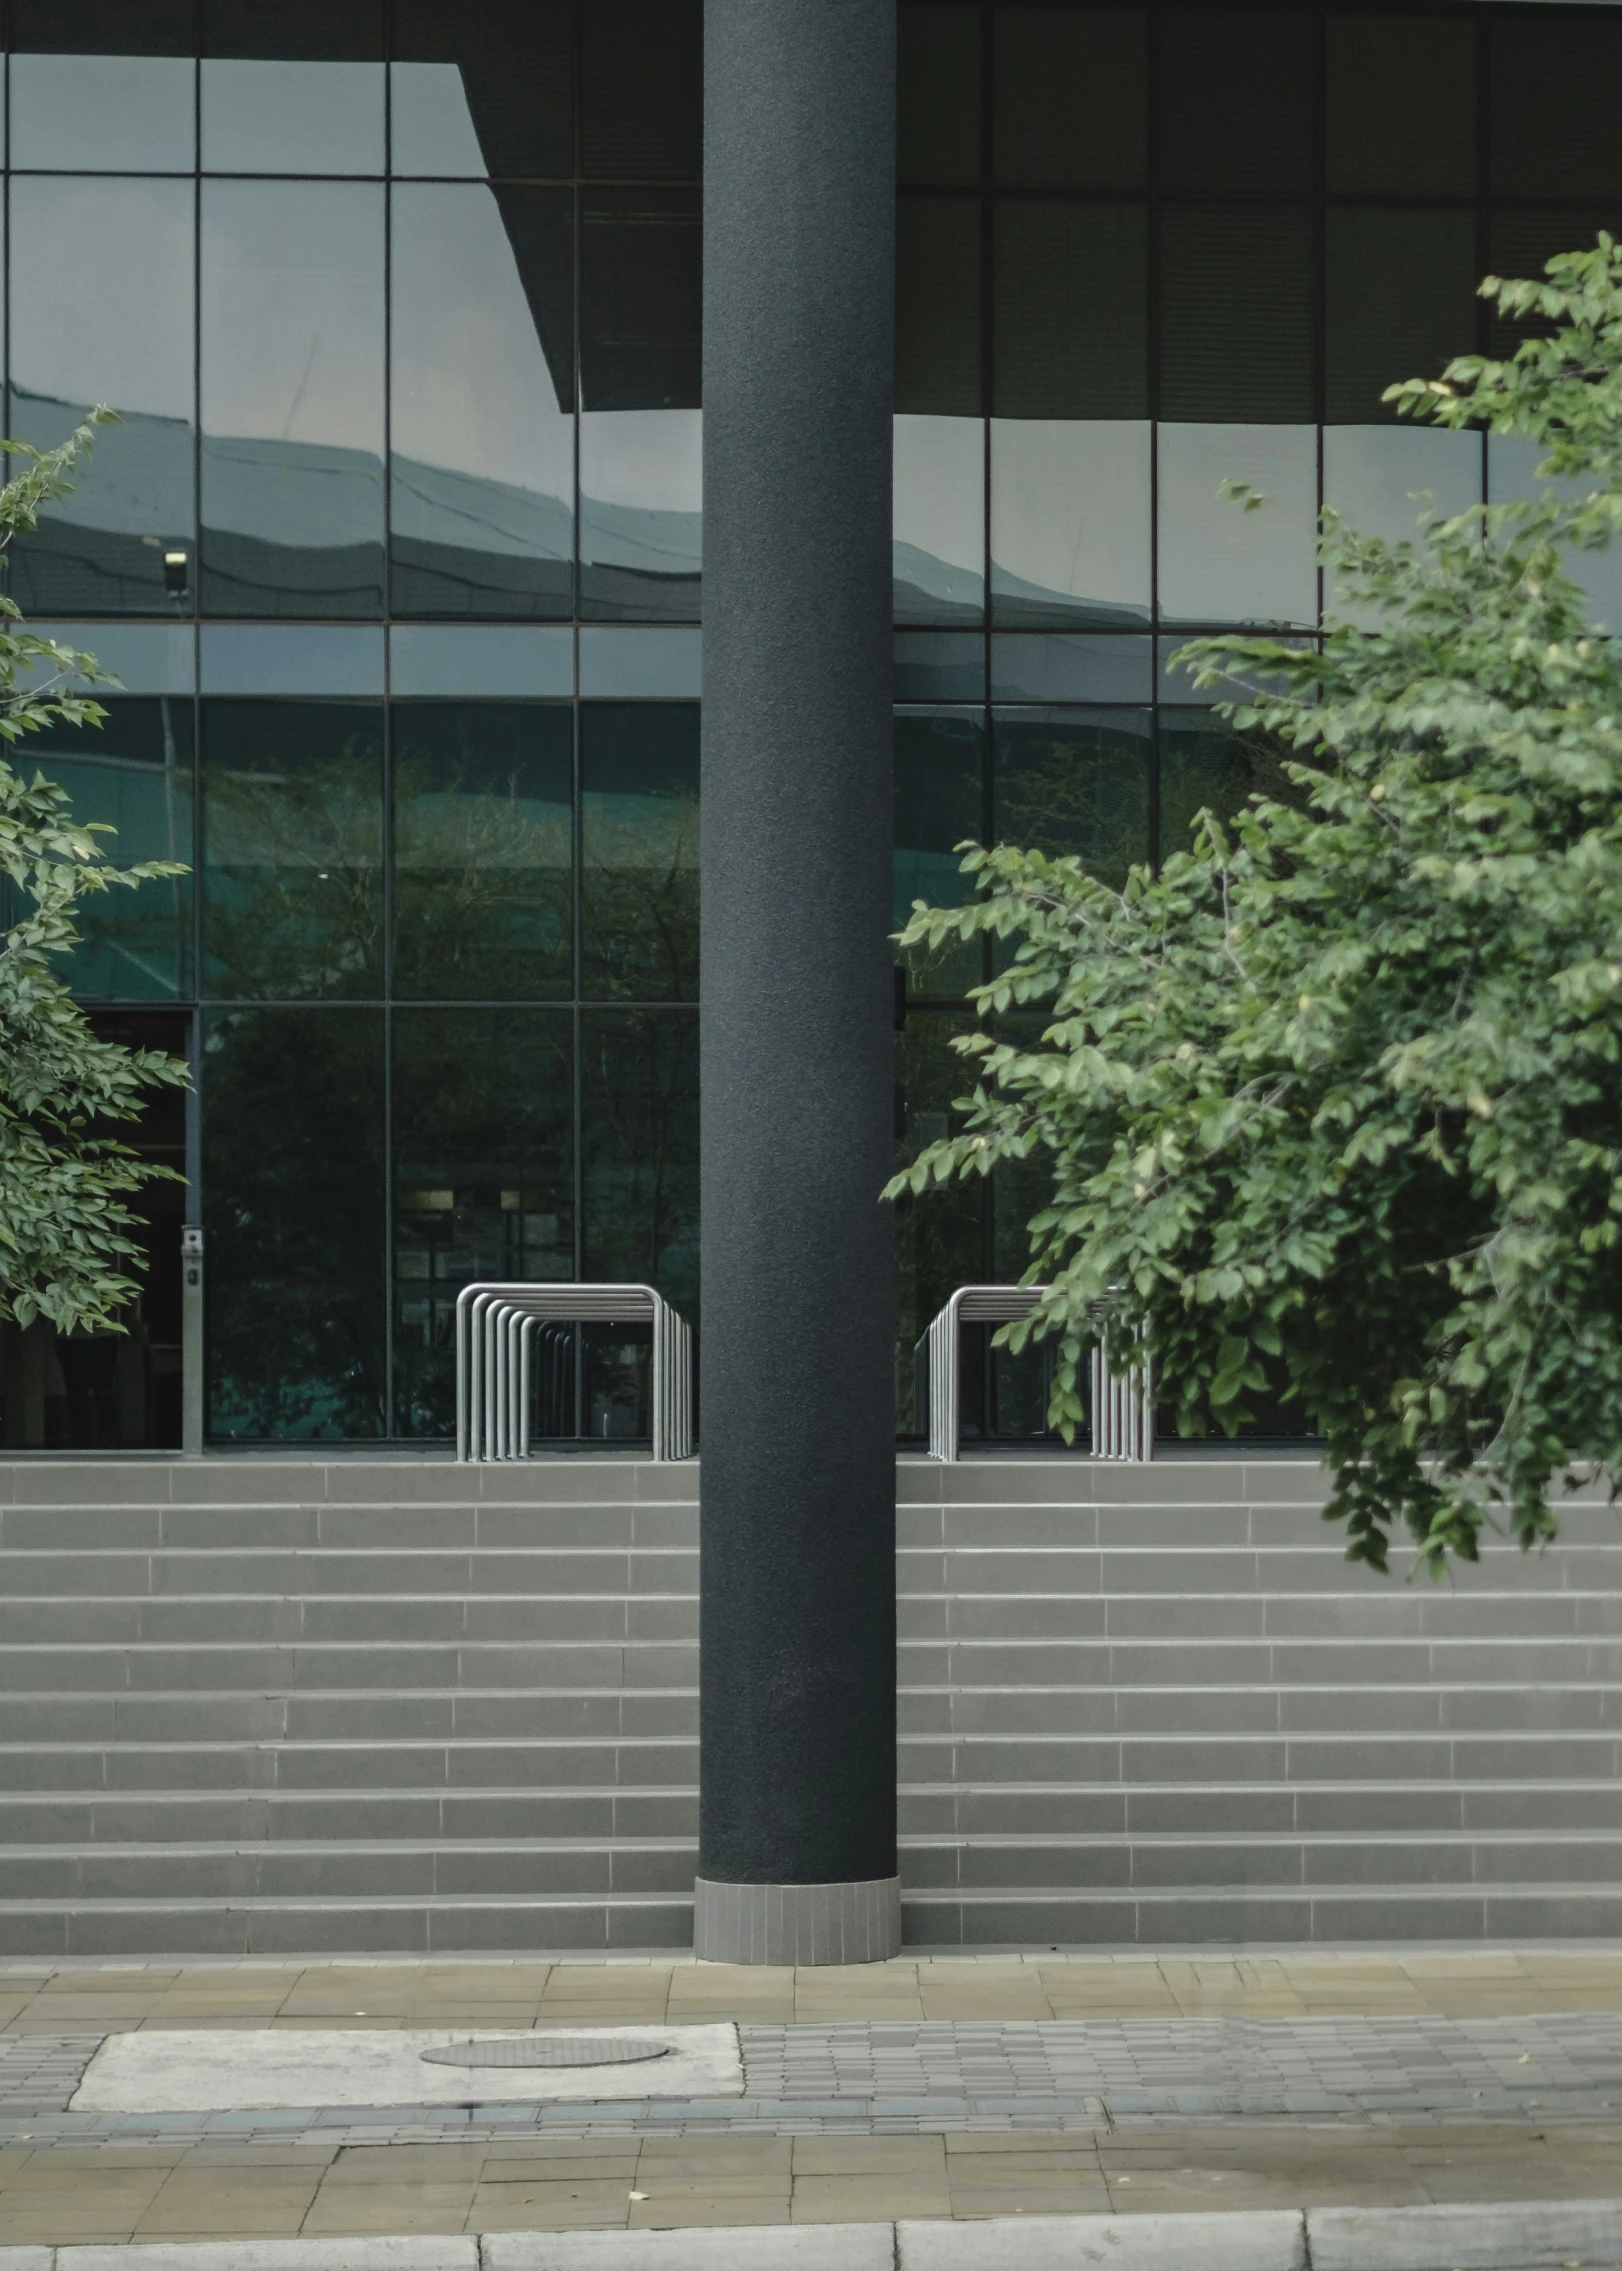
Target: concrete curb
(1516, 2235)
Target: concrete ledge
(1241, 2240)
(742, 2247)
(1544, 2235)
(1507, 2235)
(406, 2252)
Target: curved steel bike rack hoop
(1123, 1409)
(496, 1329)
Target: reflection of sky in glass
(1219, 563)
(293, 360)
(1382, 478)
(113, 113)
(940, 519)
(121, 335)
(269, 116)
(483, 457)
(1512, 462)
(1069, 521)
(641, 500)
(431, 129)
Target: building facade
(398, 555)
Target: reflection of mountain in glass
(929, 590)
(280, 533)
(99, 549)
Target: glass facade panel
(640, 454)
(642, 90)
(490, 92)
(940, 1240)
(483, 1126)
(639, 1162)
(1556, 89)
(940, 666)
(641, 514)
(1075, 782)
(938, 94)
(1512, 463)
(1382, 479)
(292, 365)
(293, 86)
(1220, 563)
(1071, 539)
(1401, 106)
(118, 113)
(1050, 666)
(639, 850)
(292, 852)
(125, 538)
(640, 299)
(293, 658)
(939, 347)
(481, 348)
(1052, 130)
(134, 774)
(296, 1339)
(940, 802)
(1400, 298)
(470, 660)
(940, 520)
(1236, 313)
(1520, 243)
(1207, 764)
(1070, 298)
(483, 850)
(1223, 72)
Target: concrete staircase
(284, 1705)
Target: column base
(788, 1924)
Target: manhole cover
(548, 2050)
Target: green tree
(65, 1179)
(1340, 1087)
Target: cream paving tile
(403, 2164)
(857, 2200)
(700, 2213)
(869, 2156)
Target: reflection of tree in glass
(483, 1147)
(293, 883)
(1210, 763)
(293, 1191)
(940, 1246)
(639, 1079)
(639, 894)
(939, 789)
(481, 882)
(1076, 788)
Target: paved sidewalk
(1043, 2087)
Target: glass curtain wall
(397, 552)
(1145, 251)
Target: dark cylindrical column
(797, 1855)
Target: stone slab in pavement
(163, 2070)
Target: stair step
(469, 1925)
(285, 1703)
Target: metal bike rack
(497, 1327)
(1123, 1409)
